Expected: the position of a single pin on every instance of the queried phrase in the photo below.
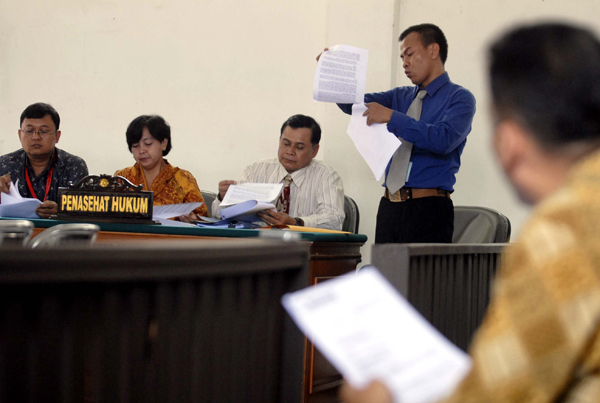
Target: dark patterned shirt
(68, 168)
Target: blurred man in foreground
(540, 340)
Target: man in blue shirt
(422, 211)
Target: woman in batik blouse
(149, 140)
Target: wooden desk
(331, 255)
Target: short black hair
(546, 76)
(38, 111)
(157, 126)
(430, 33)
(303, 121)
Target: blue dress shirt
(438, 138)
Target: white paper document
(368, 331)
(261, 192)
(341, 75)
(375, 143)
(173, 210)
(246, 211)
(15, 205)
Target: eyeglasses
(42, 133)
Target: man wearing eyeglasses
(39, 166)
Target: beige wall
(225, 74)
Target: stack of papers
(341, 77)
(245, 211)
(216, 223)
(15, 205)
(261, 192)
(368, 331)
(242, 202)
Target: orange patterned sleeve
(191, 191)
(132, 174)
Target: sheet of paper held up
(341, 75)
(374, 143)
(173, 210)
(15, 205)
(262, 192)
(368, 331)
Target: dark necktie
(283, 204)
(397, 175)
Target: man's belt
(414, 193)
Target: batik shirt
(172, 186)
(540, 339)
(67, 168)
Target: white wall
(225, 74)
(368, 25)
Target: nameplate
(105, 198)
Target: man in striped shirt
(315, 190)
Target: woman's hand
(187, 218)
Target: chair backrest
(208, 197)
(62, 234)
(352, 219)
(449, 284)
(480, 225)
(15, 232)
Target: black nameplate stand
(105, 198)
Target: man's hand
(375, 392)
(47, 209)
(5, 183)
(274, 218)
(377, 113)
(224, 186)
(324, 50)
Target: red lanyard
(48, 180)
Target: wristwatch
(299, 221)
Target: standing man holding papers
(39, 166)
(313, 193)
(432, 119)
